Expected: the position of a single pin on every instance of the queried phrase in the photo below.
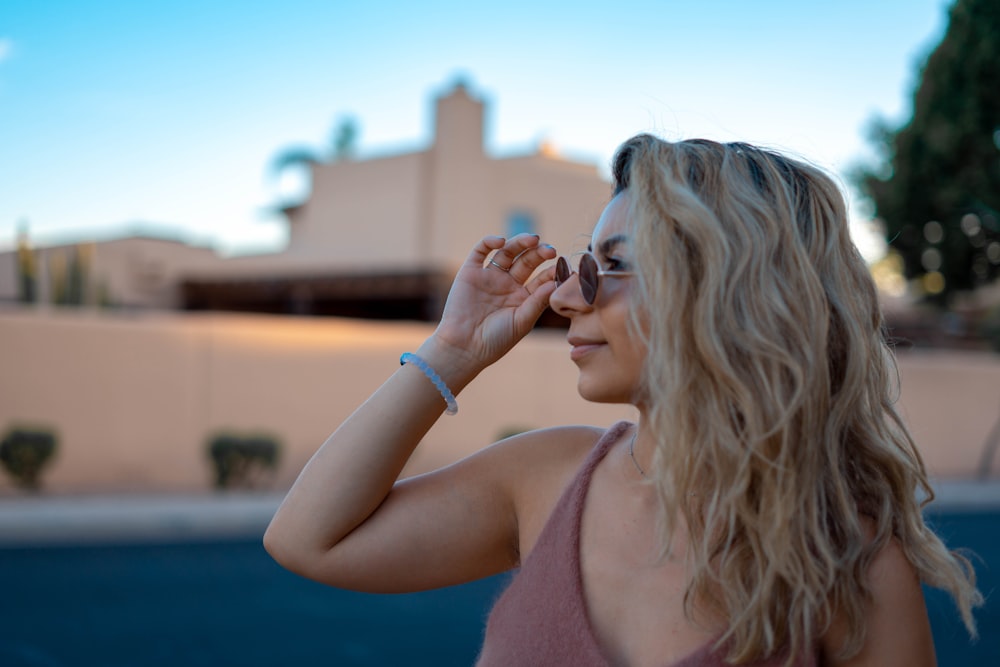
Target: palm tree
(301, 158)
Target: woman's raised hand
(494, 301)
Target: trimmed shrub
(24, 452)
(239, 461)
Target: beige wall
(363, 214)
(567, 198)
(134, 398)
(951, 401)
(147, 272)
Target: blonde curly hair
(771, 387)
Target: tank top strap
(541, 619)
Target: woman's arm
(348, 523)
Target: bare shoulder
(551, 445)
(542, 457)
(538, 465)
(898, 628)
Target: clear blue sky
(117, 116)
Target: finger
(513, 247)
(546, 275)
(533, 307)
(524, 265)
(483, 249)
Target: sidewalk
(128, 518)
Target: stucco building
(376, 238)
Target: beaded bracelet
(449, 398)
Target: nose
(568, 300)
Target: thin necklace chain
(631, 453)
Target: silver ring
(502, 268)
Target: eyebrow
(608, 244)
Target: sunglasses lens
(588, 278)
(562, 271)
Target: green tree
(69, 276)
(937, 183)
(27, 269)
(76, 277)
(345, 139)
(343, 146)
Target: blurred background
(221, 223)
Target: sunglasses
(590, 274)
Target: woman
(762, 511)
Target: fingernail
(548, 245)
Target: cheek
(629, 350)
(631, 329)
(634, 352)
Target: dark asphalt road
(226, 603)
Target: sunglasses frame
(589, 275)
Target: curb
(53, 521)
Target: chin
(602, 393)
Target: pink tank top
(541, 618)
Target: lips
(582, 347)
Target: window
(520, 222)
